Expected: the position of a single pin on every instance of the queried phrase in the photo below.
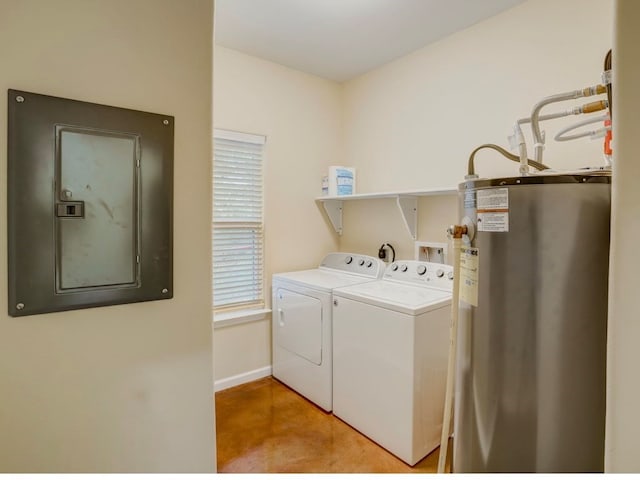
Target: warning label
(493, 210)
(469, 262)
(493, 222)
(493, 198)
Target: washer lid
(320, 279)
(400, 297)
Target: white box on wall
(341, 181)
(434, 252)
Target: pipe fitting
(594, 90)
(457, 231)
(595, 106)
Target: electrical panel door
(97, 210)
(90, 204)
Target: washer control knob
(404, 268)
(361, 262)
(348, 260)
(422, 269)
(394, 267)
(439, 273)
(369, 264)
(450, 275)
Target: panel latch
(70, 209)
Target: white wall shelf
(407, 202)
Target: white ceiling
(341, 39)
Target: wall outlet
(386, 253)
(433, 252)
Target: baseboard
(241, 378)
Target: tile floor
(264, 427)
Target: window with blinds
(237, 219)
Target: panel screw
(166, 122)
(165, 290)
(20, 306)
(20, 99)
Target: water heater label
(493, 210)
(469, 200)
(469, 262)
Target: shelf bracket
(408, 205)
(333, 208)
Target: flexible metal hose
(471, 171)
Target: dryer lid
(321, 279)
(399, 297)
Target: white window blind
(238, 229)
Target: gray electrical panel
(90, 200)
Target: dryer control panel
(354, 263)
(434, 275)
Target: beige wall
(125, 388)
(300, 115)
(411, 124)
(367, 224)
(623, 395)
(243, 350)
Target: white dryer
(390, 350)
(302, 326)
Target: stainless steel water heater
(531, 358)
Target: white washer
(390, 350)
(301, 324)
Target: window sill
(237, 317)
